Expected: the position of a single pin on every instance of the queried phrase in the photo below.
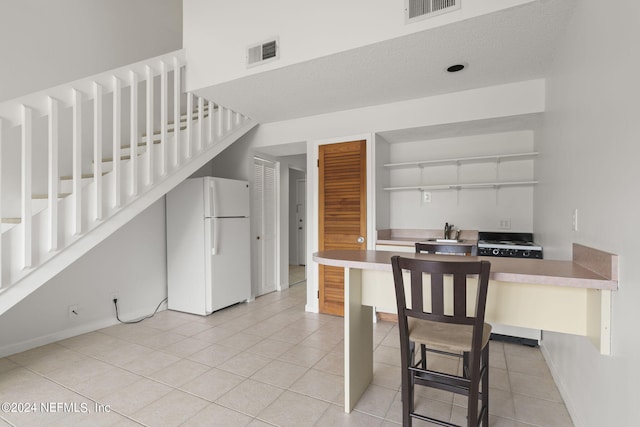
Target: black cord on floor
(128, 322)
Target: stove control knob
(526, 254)
(496, 252)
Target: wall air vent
(416, 10)
(263, 52)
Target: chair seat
(444, 336)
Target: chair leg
(406, 391)
(474, 389)
(423, 354)
(485, 386)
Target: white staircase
(92, 181)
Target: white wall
(589, 153)
(130, 263)
(475, 209)
(306, 30)
(46, 43)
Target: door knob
(360, 239)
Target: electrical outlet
(426, 196)
(73, 311)
(574, 224)
(505, 224)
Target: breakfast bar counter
(521, 270)
(571, 297)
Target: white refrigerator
(208, 245)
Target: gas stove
(514, 245)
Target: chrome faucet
(447, 230)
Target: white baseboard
(312, 308)
(562, 388)
(95, 325)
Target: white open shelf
(474, 159)
(463, 185)
(458, 161)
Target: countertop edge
(380, 260)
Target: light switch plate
(426, 196)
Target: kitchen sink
(442, 241)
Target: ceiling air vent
(262, 52)
(416, 10)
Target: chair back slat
(460, 295)
(437, 294)
(416, 291)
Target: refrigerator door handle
(214, 236)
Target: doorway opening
(297, 226)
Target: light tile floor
(258, 364)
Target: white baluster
(210, 134)
(134, 132)
(220, 120)
(163, 118)
(229, 113)
(200, 124)
(117, 143)
(188, 116)
(54, 177)
(150, 160)
(237, 118)
(97, 148)
(27, 122)
(176, 112)
(77, 161)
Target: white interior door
(265, 224)
(301, 203)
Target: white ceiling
(515, 44)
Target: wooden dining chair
(436, 315)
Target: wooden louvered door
(342, 214)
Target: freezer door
(229, 269)
(226, 198)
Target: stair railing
(83, 187)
